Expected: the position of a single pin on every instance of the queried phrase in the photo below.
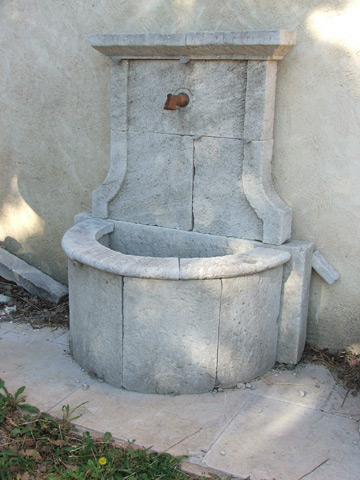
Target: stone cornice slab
(240, 45)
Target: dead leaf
(71, 467)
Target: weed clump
(36, 446)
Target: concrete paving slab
(64, 338)
(180, 425)
(307, 385)
(268, 432)
(274, 439)
(44, 367)
(343, 402)
(26, 328)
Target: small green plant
(43, 447)
(9, 403)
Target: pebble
(248, 385)
(302, 394)
(222, 452)
(85, 386)
(4, 298)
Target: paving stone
(64, 338)
(315, 381)
(45, 368)
(274, 439)
(181, 425)
(343, 402)
(47, 333)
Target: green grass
(35, 446)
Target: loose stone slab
(33, 280)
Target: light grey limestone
(248, 326)
(158, 182)
(217, 98)
(170, 335)
(243, 264)
(210, 45)
(96, 321)
(85, 243)
(81, 244)
(188, 149)
(258, 187)
(260, 100)
(232, 257)
(224, 209)
(294, 302)
(33, 280)
(147, 240)
(198, 306)
(118, 146)
(324, 269)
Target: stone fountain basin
(167, 311)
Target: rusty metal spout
(173, 101)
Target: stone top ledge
(240, 45)
(81, 244)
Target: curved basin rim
(81, 244)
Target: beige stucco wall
(54, 126)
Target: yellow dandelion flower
(102, 461)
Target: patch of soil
(344, 365)
(27, 308)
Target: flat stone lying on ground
(33, 280)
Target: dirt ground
(24, 307)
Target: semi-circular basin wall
(204, 315)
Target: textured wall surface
(54, 126)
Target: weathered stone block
(216, 91)
(118, 146)
(259, 190)
(294, 302)
(170, 335)
(248, 326)
(161, 194)
(96, 321)
(260, 100)
(223, 209)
